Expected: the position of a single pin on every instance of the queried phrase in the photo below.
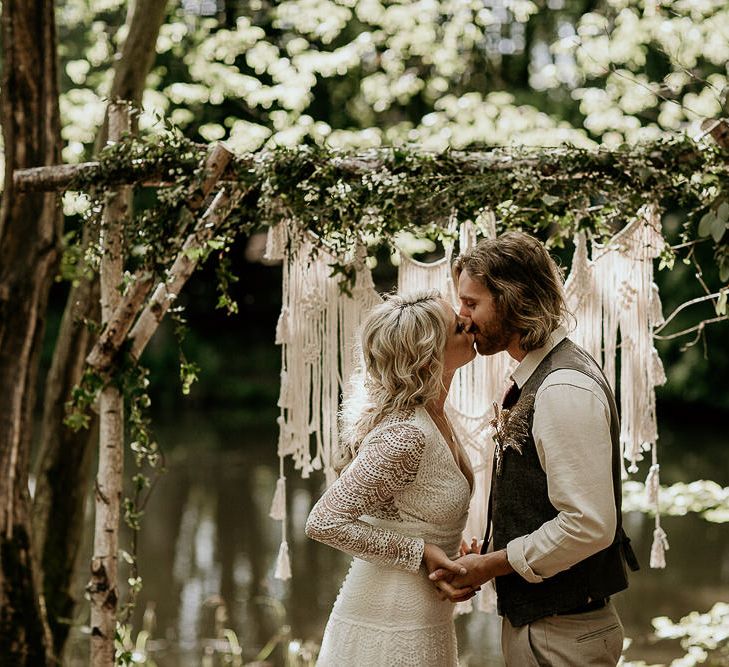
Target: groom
(554, 542)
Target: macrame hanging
(614, 296)
(315, 330)
(611, 296)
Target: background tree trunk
(30, 232)
(64, 462)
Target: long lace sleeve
(386, 464)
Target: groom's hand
(456, 586)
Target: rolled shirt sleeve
(571, 430)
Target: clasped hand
(456, 580)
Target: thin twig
(698, 299)
(700, 274)
(698, 327)
(688, 244)
(613, 68)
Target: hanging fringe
(656, 308)
(584, 298)
(623, 274)
(275, 242)
(652, 484)
(659, 547)
(283, 564)
(278, 505)
(282, 327)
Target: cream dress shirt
(571, 430)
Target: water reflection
(207, 551)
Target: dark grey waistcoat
(519, 505)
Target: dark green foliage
(344, 198)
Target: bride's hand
(475, 547)
(435, 558)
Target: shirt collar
(533, 358)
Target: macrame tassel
(652, 484)
(659, 548)
(275, 242)
(278, 505)
(282, 327)
(283, 564)
(658, 372)
(285, 396)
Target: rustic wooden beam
(48, 179)
(59, 177)
(216, 163)
(120, 322)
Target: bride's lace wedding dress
(403, 489)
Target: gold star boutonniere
(504, 434)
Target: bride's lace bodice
(402, 489)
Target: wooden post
(103, 587)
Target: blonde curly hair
(402, 343)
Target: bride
(400, 504)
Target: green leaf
(550, 199)
(718, 227)
(722, 213)
(706, 223)
(77, 420)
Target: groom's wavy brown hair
(525, 281)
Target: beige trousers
(573, 640)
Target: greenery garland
(373, 195)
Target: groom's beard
(492, 338)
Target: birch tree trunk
(63, 471)
(103, 586)
(30, 232)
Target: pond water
(207, 551)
